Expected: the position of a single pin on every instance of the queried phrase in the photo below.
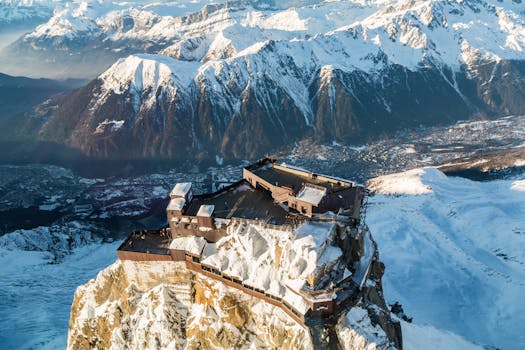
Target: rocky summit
(288, 263)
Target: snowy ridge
(454, 253)
(408, 33)
(145, 72)
(142, 75)
(235, 47)
(408, 182)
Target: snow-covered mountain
(17, 12)
(164, 304)
(409, 33)
(453, 250)
(82, 38)
(333, 70)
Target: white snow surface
(192, 244)
(181, 189)
(176, 204)
(454, 253)
(408, 182)
(206, 210)
(275, 261)
(311, 195)
(416, 337)
(36, 294)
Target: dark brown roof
(242, 201)
(147, 242)
(281, 178)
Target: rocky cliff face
(156, 305)
(161, 305)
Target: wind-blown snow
(275, 261)
(454, 255)
(408, 182)
(416, 337)
(36, 295)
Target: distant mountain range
(242, 78)
(15, 12)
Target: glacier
(453, 250)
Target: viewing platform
(274, 212)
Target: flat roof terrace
(295, 181)
(153, 242)
(242, 201)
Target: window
(304, 210)
(195, 259)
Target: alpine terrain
(210, 81)
(142, 205)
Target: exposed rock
(161, 305)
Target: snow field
(453, 250)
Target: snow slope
(454, 252)
(416, 337)
(36, 295)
